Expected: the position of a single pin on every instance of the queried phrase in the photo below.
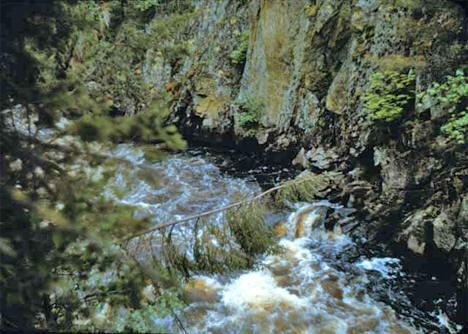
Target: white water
(300, 290)
(295, 291)
(174, 188)
(303, 289)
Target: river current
(311, 286)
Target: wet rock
(322, 158)
(283, 142)
(414, 235)
(203, 289)
(310, 68)
(274, 58)
(395, 169)
(463, 213)
(262, 137)
(416, 245)
(280, 229)
(367, 5)
(308, 219)
(444, 230)
(420, 133)
(357, 20)
(337, 94)
(424, 168)
(301, 159)
(332, 221)
(309, 111)
(462, 227)
(208, 123)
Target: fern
(307, 187)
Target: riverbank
(430, 281)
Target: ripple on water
(294, 291)
(174, 188)
(298, 290)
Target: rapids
(295, 291)
(310, 286)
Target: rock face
(300, 88)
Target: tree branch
(207, 213)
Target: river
(320, 282)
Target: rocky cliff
(295, 76)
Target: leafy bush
(106, 48)
(452, 98)
(248, 120)
(307, 187)
(457, 127)
(388, 95)
(250, 111)
(239, 54)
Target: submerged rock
(308, 219)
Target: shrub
(457, 127)
(310, 9)
(452, 98)
(388, 95)
(251, 109)
(248, 120)
(239, 54)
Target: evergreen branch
(293, 183)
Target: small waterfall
(312, 284)
(294, 291)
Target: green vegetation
(249, 120)
(239, 54)
(61, 262)
(64, 266)
(146, 126)
(389, 95)
(250, 230)
(307, 187)
(106, 49)
(215, 258)
(233, 245)
(457, 127)
(251, 109)
(311, 9)
(451, 98)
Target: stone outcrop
(305, 72)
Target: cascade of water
(294, 291)
(309, 286)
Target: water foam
(258, 290)
(386, 266)
(297, 290)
